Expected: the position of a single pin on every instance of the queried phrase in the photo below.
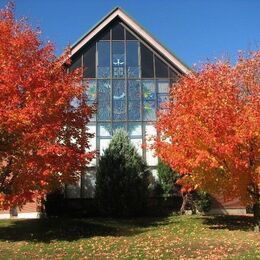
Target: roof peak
(119, 12)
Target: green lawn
(175, 237)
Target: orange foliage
(43, 139)
(209, 131)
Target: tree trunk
(184, 203)
(187, 203)
(256, 210)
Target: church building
(128, 73)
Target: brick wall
(29, 210)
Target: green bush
(122, 179)
(202, 201)
(167, 179)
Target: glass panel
(119, 110)
(130, 36)
(134, 110)
(161, 68)
(149, 110)
(162, 98)
(105, 35)
(104, 143)
(173, 75)
(133, 68)
(163, 86)
(138, 145)
(148, 89)
(134, 89)
(89, 62)
(92, 143)
(146, 62)
(135, 129)
(119, 92)
(104, 90)
(119, 125)
(75, 62)
(119, 100)
(118, 32)
(91, 90)
(93, 104)
(89, 183)
(75, 102)
(105, 130)
(150, 131)
(118, 59)
(104, 110)
(103, 59)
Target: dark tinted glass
(118, 32)
(146, 62)
(161, 68)
(75, 62)
(103, 59)
(132, 54)
(130, 36)
(105, 35)
(89, 62)
(104, 54)
(173, 75)
(132, 59)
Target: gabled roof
(119, 13)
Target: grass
(174, 237)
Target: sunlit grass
(175, 237)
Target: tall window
(127, 82)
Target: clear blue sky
(195, 30)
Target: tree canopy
(209, 131)
(122, 179)
(43, 138)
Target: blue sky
(195, 30)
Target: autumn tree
(43, 138)
(209, 131)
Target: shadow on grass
(65, 229)
(243, 223)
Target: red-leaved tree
(210, 129)
(43, 137)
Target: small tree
(167, 179)
(202, 201)
(122, 179)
